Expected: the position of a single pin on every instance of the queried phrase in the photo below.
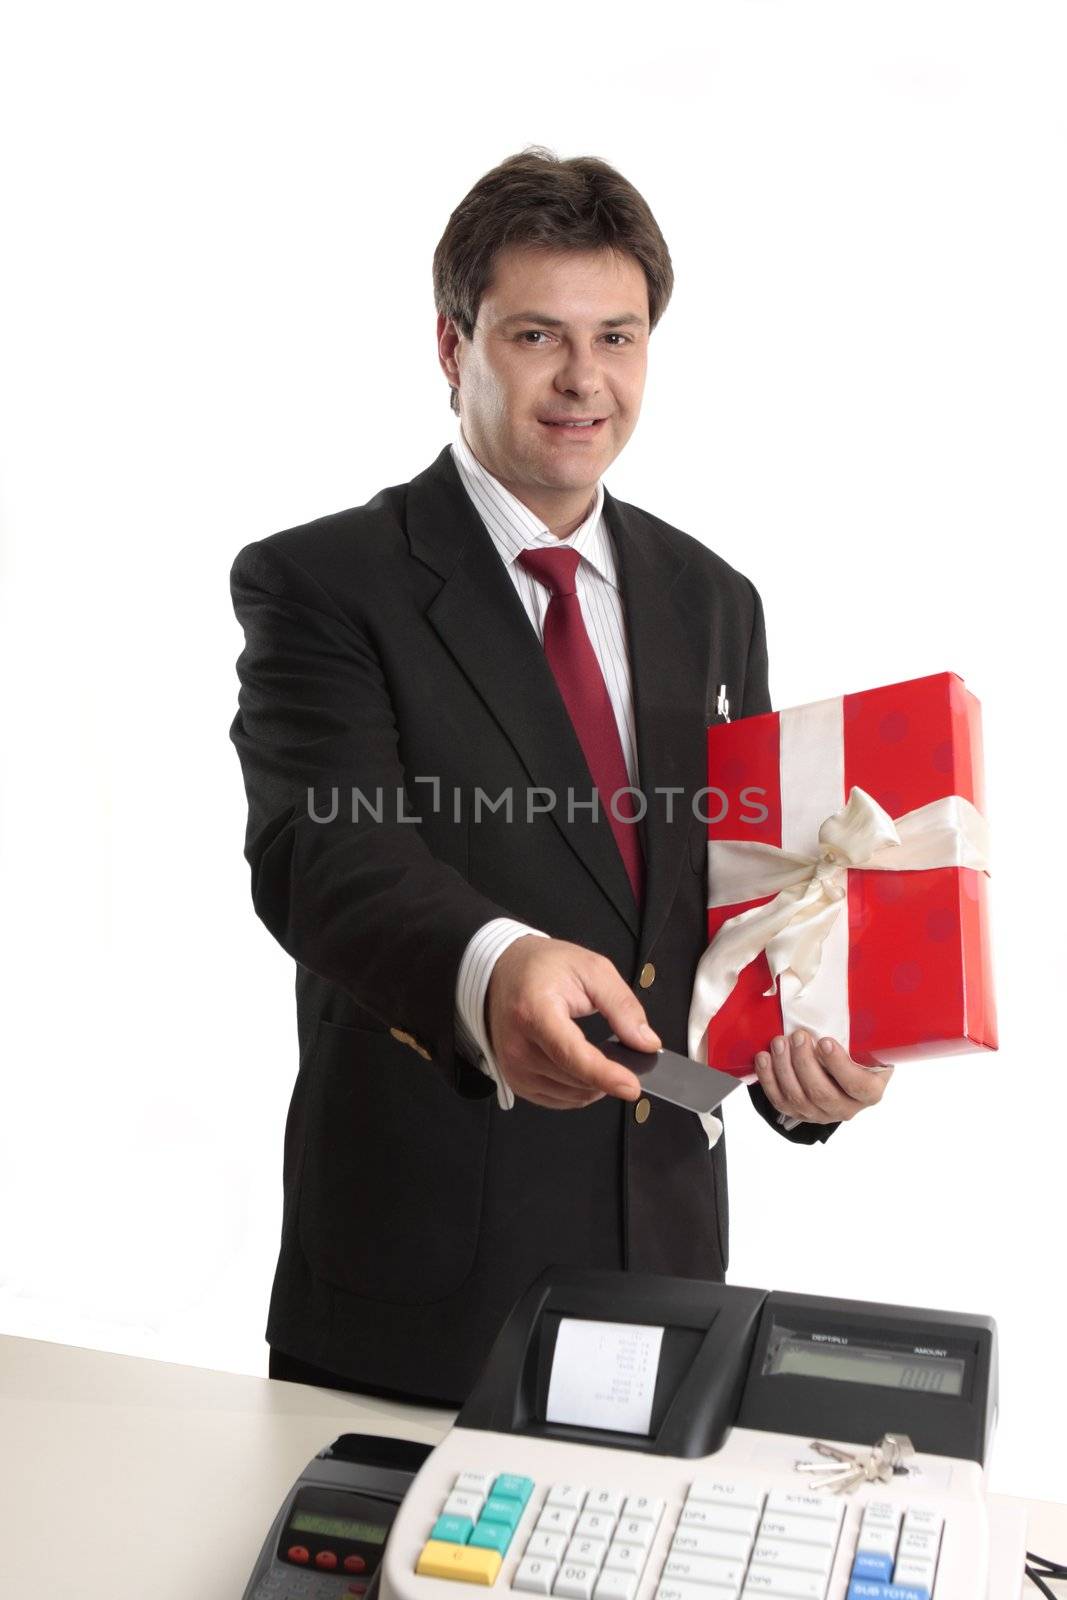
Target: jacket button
(648, 975)
(642, 1110)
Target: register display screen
(855, 1363)
(604, 1375)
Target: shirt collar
(514, 527)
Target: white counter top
(128, 1479)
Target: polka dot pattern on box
(906, 977)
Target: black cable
(1047, 1568)
(1040, 1582)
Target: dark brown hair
(534, 198)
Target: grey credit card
(669, 1076)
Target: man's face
(559, 335)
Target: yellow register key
(441, 1560)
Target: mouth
(574, 427)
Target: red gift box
(891, 957)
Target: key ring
(846, 1469)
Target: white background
(217, 321)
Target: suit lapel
(482, 622)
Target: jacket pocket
(393, 1173)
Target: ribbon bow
(810, 890)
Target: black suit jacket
(386, 648)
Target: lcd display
(337, 1527)
(854, 1363)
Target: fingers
(778, 1078)
(541, 1081)
(570, 1056)
(817, 1086)
(537, 989)
(619, 1005)
(547, 1092)
(863, 1082)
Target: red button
(355, 1564)
(296, 1552)
(326, 1558)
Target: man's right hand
(536, 989)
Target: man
(440, 711)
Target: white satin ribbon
(810, 892)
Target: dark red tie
(581, 683)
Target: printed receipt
(604, 1375)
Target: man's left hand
(819, 1082)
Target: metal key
(845, 1470)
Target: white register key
(595, 1525)
(574, 1581)
(534, 1576)
(641, 1505)
(635, 1530)
(704, 1569)
(546, 1546)
(712, 1542)
(587, 1552)
(881, 1511)
(460, 1503)
(607, 1500)
(918, 1520)
(783, 1585)
(922, 1544)
(557, 1519)
(616, 1585)
(727, 1519)
(568, 1495)
(721, 1492)
(877, 1539)
(805, 1530)
(474, 1482)
(919, 1573)
(675, 1589)
(785, 1553)
(626, 1557)
(795, 1503)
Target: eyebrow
(629, 318)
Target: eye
(625, 339)
(533, 333)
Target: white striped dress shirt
(513, 527)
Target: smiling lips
(574, 427)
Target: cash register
(634, 1437)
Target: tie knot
(554, 568)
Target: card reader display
(327, 1540)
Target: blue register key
(873, 1565)
(498, 1508)
(860, 1589)
(511, 1486)
(453, 1530)
(490, 1536)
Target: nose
(578, 373)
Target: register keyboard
(666, 1535)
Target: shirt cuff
(472, 984)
